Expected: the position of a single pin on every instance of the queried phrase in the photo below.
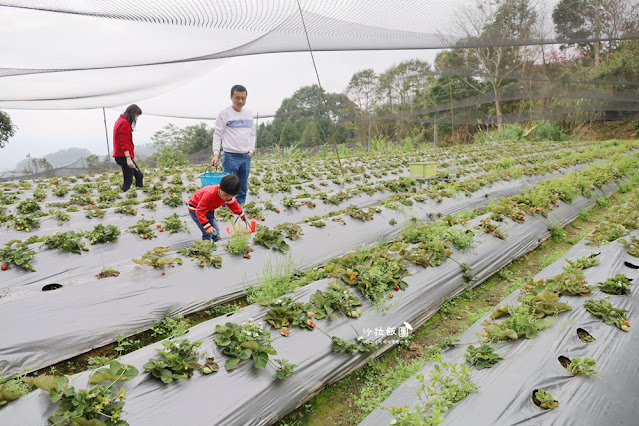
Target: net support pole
(106, 134)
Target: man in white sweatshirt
(235, 133)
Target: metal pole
(106, 133)
(370, 122)
(435, 132)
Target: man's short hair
(230, 184)
(238, 88)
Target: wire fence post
(106, 133)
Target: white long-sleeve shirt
(234, 131)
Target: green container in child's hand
(423, 170)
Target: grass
(349, 400)
(275, 281)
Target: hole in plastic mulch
(564, 361)
(584, 336)
(631, 265)
(50, 287)
(538, 403)
(594, 255)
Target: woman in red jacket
(123, 147)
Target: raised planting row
(323, 332)
(79, 200)
(142, 295)
(556, 352)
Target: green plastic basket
(423, 170)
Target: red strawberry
(391, 295)
(397, 288)
(157, 225)
(161, 229)
(263, 218)
(4, 267)
(163, 273)
(278, 211)
(310, 323)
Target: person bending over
(206, 200)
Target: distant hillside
(60, 158)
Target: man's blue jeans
(240, 166)
(211, 217)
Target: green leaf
(221, 339)
(231, 363)
(261, 359)
(267, 349)
(116, 372)
(245, 353)
(252, 345)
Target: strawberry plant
(97, 405)
(270, 206)
(373, 271)
(70, 242)
(271, 238)
(28, 207)
(249, 340)
(523, 322)
(318, 223)
(173, 224)
(26, 223)
(20, 254)
(616, 285)
(156, 258)
(103, 234)
(482, 357)
(579, 366)
(544, 399)
(177, 360)
(61, 191)
(564, 283)
(127, 210)
(290, 230)
(62, 217)
(547, 303)
(290, 202)
(286, 313)
(174, 200)
(81, 200)
(336, 299)
(93, 212)
(252, 210)
(357, 213)
(632, 247)
(575, 265)
(432, 253)
(608, 313)
(144, 227)
(201, 252)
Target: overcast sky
(194, 90)
(197, 89)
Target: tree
(7, 129)
(311, 135)
(582, 20)
(290, 135)
(93, 160)
(490, 23)
(362, 89)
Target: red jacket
(122, 138)
(207, 199)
